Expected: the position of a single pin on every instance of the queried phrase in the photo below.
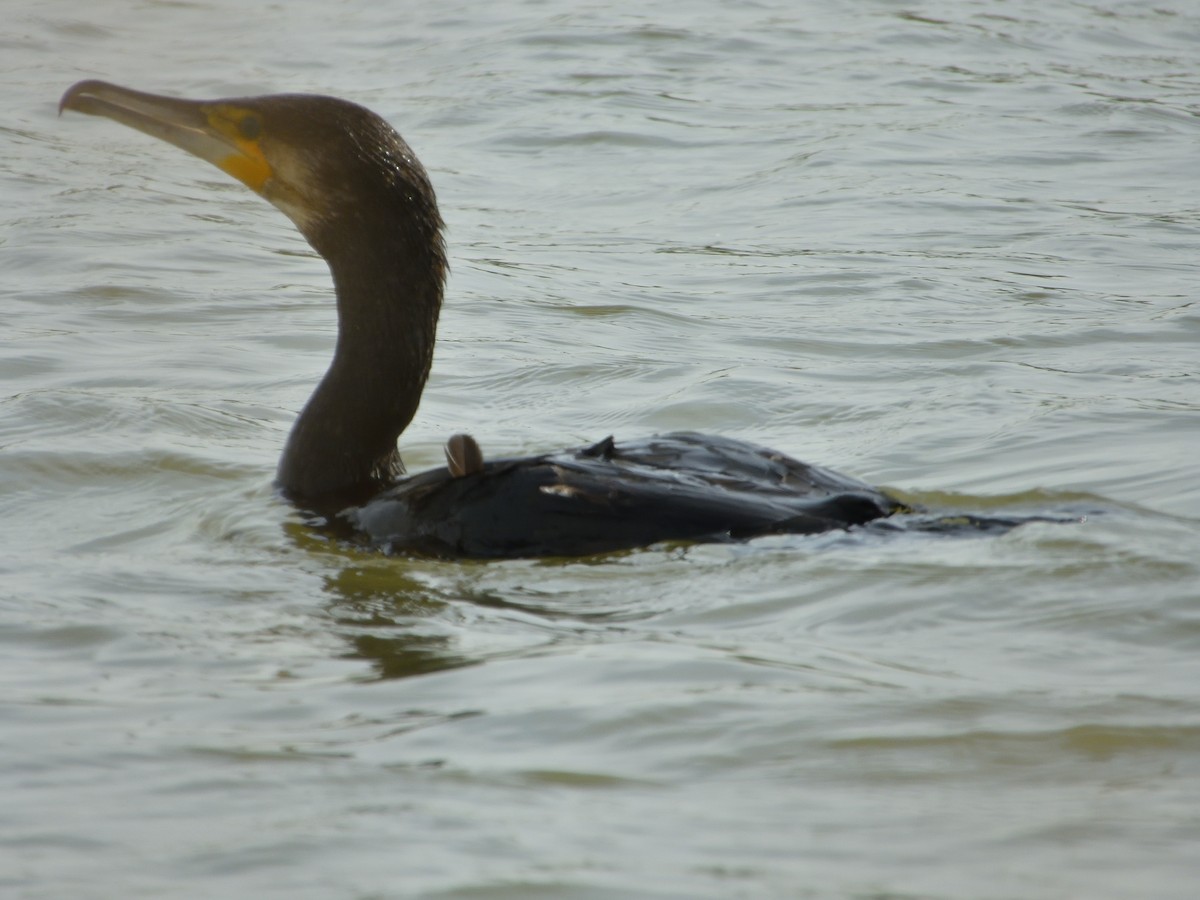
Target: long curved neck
(388, 277)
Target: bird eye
(250, 127)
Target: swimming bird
(359, 196)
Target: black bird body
(615, 496)
(357, 193)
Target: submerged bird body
(357, 193)
(614, 496)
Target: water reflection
(407, 654)
(410, 616)
(390, 620)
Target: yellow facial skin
(242, 128)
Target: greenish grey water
(948, 247)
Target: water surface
(949, 248)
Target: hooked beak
(220, 132)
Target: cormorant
(358, 194)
